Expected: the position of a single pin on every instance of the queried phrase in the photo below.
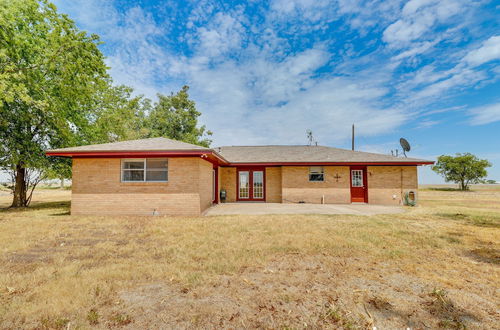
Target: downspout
(402, 197)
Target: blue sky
(265, 72)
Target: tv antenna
(310, 138)
(405, 145)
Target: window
(316, 173)
(357, 178)
(149, 169)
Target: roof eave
(124, 153)
(132, 153)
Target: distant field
(455, 186)
(434, 266)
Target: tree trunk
(62, 183)
(20, 187)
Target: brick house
(168, 177)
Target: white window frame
(359, 175)
(322, 173)
(239, 185)
(144, 169)
(261, 187)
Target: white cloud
(417, 49)
(254, 86)
(372, 15)
(462, 78)
(489, 51)
(261, 101)
(429, 82)
(402, 32)
(427, 123)
(329, 108)
(485, 114)
(223, 34)
(309, 10)
(418, 18)
(277, 82)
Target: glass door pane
(244, 184)
(258, 184)
(357, 178)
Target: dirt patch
(273, 297)
(64, 246)
(317, 292)
(450, 316)
(36, 255)
(486, 255)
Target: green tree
(175, 116)
(113, 115)
(463, 169)
(49, 74)
(117, 115)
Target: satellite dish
(405, 145)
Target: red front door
(359, 185)
(250, 184)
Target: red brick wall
(205, 184)
(388, 184)
(97, 188)
(297, 187)
(273, 185)
(228, 182)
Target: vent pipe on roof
(352, 137)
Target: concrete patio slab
(278, 208)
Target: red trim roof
(210, 156)
(214, 157)
(129, 154)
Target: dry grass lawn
(436, 265)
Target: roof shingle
(152, 144)
(297, 154)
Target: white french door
(251, 185)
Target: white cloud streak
(485, 114)
(489, 51)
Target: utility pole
(352, 137)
